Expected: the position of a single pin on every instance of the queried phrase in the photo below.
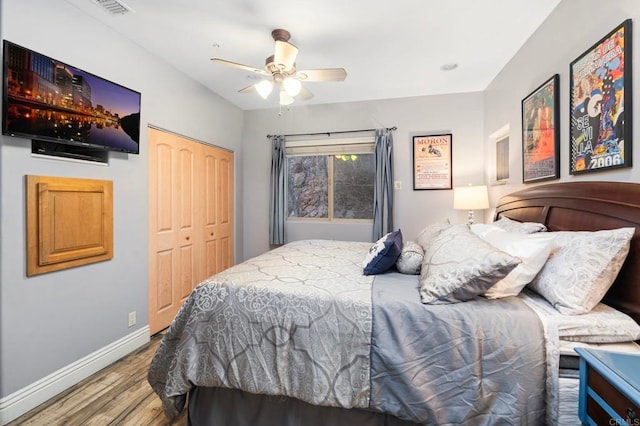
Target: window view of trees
(353, 181)
(309, 186)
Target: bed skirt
(231, 406)
(220, 406)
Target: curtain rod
(334, 133)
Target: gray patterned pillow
(519, 227)
(582, 268)
(429, 232)
(410, 259)
(458, 266)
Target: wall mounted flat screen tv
(48, 100)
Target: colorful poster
(432, 162)
(540, 133)
(600, 94)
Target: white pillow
(603, 324)
(410, 259)
(510, 225)
(582, 268)
(458, 266)
(532, 249)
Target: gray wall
(52, 320)
(572, 28)
(459, 114)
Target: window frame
(330, 148)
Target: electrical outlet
(132, 318)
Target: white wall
(52, 320)
(572, 28)
(461, 115)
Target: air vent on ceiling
(114, 7)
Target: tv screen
(45, 99)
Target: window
(330, 182)
(499, 174)
(502, 159)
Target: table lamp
(471, 198)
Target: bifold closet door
(190, 216)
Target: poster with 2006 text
(600, 90)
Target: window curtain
(383, 190)
(276, 200)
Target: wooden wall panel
(69, 222)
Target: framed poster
(541, 133)
(600, 98)
(432, 162)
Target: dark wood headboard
(587, 206)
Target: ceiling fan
(280, 68)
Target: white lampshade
(471, 198)
(292, 86)
(264, 88)
(285, 99)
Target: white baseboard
(29, 397)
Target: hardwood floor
(117, 395)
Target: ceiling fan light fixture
(285, 98)
(292, 86)
(264, 88)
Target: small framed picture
(600, 85)
(541, 133)
(432, 161)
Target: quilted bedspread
(303, 321)
(295, 321)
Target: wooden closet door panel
(210, 201)
(218, 229)
(162, 299)
(225, 210)
(187, 182)
(163, 256)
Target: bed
(300, 336)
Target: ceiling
(390, 49)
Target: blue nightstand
(609, 388)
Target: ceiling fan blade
(285, 55)
(241, 66)
(328, 74)
(304, 95)
(248, 89)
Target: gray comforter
(302, 321)
(481, 362)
